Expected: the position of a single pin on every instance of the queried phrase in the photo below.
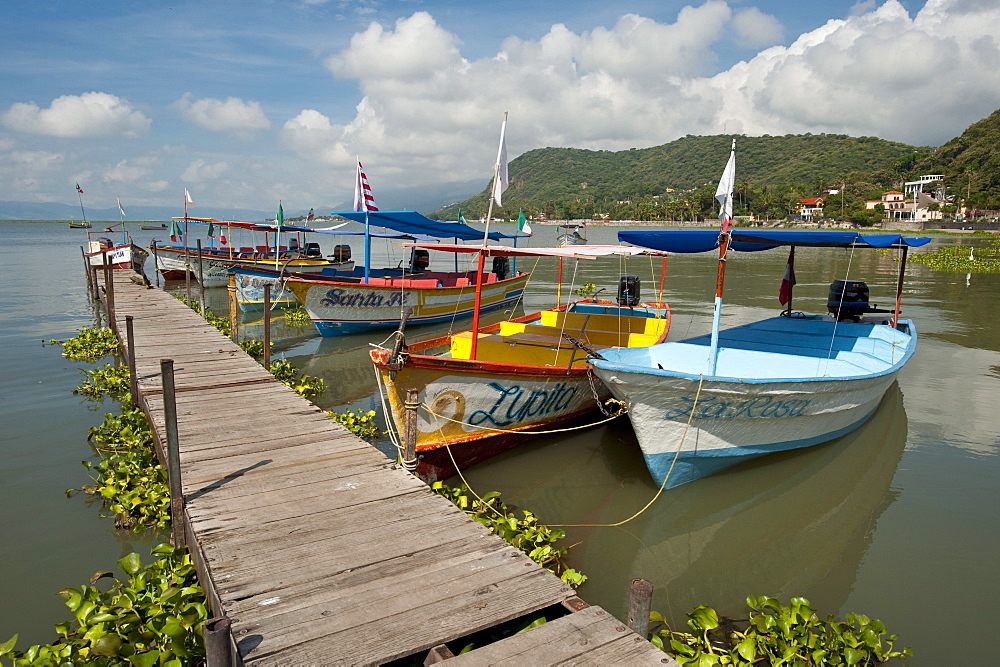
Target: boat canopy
(577, 251)
(413, 223)
(688, 241)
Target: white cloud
(229, 115)
(130, 171)
(755, 28)
(88, 115)
(200, 171)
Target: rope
(677, 453)
(620, 412)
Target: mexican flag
(522, 224)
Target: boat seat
(523, 348)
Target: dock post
(234, 320)
(109, 294)
(173, 453)
(201, 280)
(88, 270)
(640, 600)
(218, 642)
(410, 431)
(267, 327)
(133, 380)
(156, 262)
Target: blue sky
(249, 102)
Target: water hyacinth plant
(90, 344)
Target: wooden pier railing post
(640, 601)
(173, 453)
(109, 293)
(218, 642)
(133, 381)
(410, 430)
(267, 326)
(234, 320)
(156, 262)
(88, 269)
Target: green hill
(565, 178)
(970, 163)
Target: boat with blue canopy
(705, 403)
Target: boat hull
(472, 409)
(691, 426)
(214, 270)
(341, 308)
(126, 256)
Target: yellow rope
(621, 411)
(666, 477)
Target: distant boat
(571, 234)
(703, 404)
(79, 225)
(159, 226)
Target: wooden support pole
(156, 262)
(234, 320)
(88, 270)
(201, 280)
(173, 453)
(133, 380)
(439, 653)
(410, 431)
(219, 642)
(640, 601)
(267, 326)
(109, 293)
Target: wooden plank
(588, 637)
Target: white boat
(113, 245)
(706, 403)
(570, 234)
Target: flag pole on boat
(279, 220)
(364, 201)
(724, 195)
(500, 182)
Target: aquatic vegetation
(586, 290)
(255, 348)
(128, 479)
(524, 531)
(154, 618)
(90, 344)
(221, 323)
(962, 259)
(361, 424)
(297, 317)
(777, 635)
(306, 386)
(107, 380)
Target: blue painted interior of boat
(604, 309)
(805, 348)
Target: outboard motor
(500, 267)
(628, 291)
(104, 243)
(341, 253)
(313, 250)
(419, 260)
(848, 300)
(293, 244)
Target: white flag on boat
(501, 181)
(187, 198)
(724, 193)
(363, 199)
(120, 209)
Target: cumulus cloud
(91, 114)
(200, 171)
(433, 114)
(229, 115)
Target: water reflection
(795, 523)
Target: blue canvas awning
(688, 241)
(411, 222)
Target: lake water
(899, 520)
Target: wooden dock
(314, 545)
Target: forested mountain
(971, 163)
(552, 176)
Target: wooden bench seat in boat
(520, 348)
(572, 323)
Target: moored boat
(705, 403)
(114, 246)
(570, 234)
(484, 390)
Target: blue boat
(705, 403)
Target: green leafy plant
(585, 290)
(361, 424)
(90, 344)
(154, 618)
(306, 386)
(296, 317)
(255, 348)
(107, 380)
(128, 479)
(221, 323)
(777, 635)
(962, 259)
(524, 531)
